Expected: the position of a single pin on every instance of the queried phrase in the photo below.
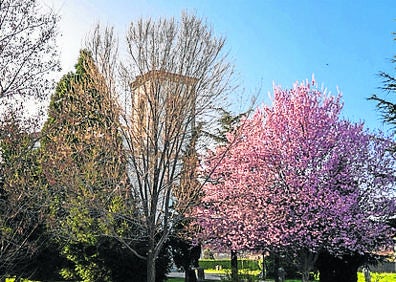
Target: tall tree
(27, 58)
(84, 165)
(301, 179)
(177, 73)
(387, 105)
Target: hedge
(226, 264)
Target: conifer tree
(387, 105)
(85, 169)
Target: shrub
(226, 264)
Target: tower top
(163, 75)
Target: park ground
(212, 276)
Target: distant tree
(27, 50)
(82, 159)
(301, 179)
(227, 124)
(387, 106)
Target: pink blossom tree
(299, 178)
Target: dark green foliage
(340, 269)
(125, 266)
(392, 222)
(387, 106)
(47, 263)
(228, 123)
(287, 263)
(185, 254)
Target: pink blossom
(299, 177)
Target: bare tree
(175, 77)
(178, 75)
(103, 46)
(27, 53)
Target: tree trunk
(189, 275)
(276, 267)
(150, 266)
(264, 272)
(305, 276)
(307, 264)
(234, 266)
(305, 268)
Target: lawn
(206, 280)
(226, 273)
(375, 277)
(378, 277)
(182, 280)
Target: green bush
(211, 264)
(226, 264)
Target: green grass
(175, 280)
(243, 273)
(378, 277)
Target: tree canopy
(27, 41)
(300, 178)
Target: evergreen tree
(387, 107)
(82, 159)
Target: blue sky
(343, 43)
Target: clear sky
(343, 43)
